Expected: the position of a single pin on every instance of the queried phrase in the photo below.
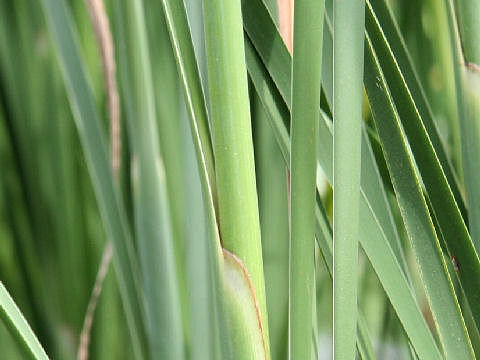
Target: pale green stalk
(232, 139)
(349, 24)
(306, 73)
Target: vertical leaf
(306, 72)
(188, 69)
(348, 37)
(152, 219)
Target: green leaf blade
(306, 74)
(151, 207)
(16, 323)
(419, 226)
(348, 25)
(416, 118)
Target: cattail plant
(271, 179)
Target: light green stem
(232, 139)
(349, 24)
(306, 73)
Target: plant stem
(306, 72)
(232, 139)
(349, 24)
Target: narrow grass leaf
(273, 207)
(348, 23)
(386, 30)
(371, 179)
(188, 69)
(152, 210)
(200, 284)
(263, 33)
(181, 39)
(420, 131)
(16, 323)
(306, 71)
(425, 244)
(169, 105)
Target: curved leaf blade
(420, 130)
(16, 323)
(421, 232)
